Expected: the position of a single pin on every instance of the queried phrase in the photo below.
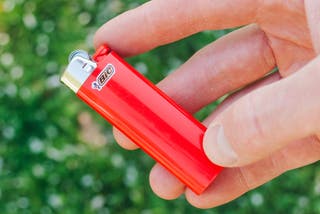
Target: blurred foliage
(58, 156)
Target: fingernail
(217, 146)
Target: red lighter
(143, 113)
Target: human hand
(262, 130)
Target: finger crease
(243, 180)
(270, 61)
(278, 167)
(316, 141)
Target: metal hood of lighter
(142, 112)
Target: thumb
(266, 119)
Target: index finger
(160, 22)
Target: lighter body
(143, 113)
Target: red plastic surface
(152, 120)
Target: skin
(276, 116)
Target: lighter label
(104, 76)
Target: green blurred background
(58, 156)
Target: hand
(262, 130)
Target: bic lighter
(143, 113)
